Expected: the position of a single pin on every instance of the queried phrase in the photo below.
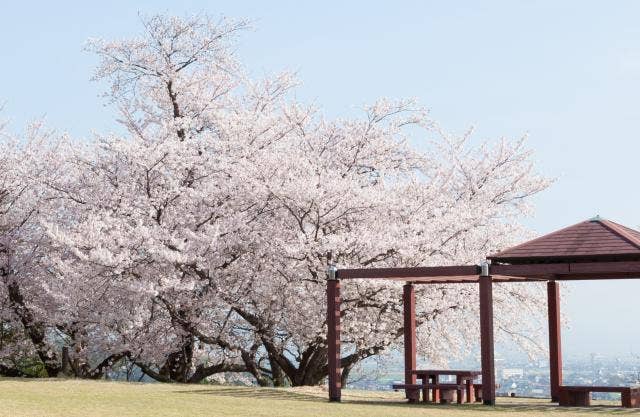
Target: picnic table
(432, 376)
(442, 391)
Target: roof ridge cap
(619, 230)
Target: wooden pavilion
(595, 249)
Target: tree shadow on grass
(287, 395)
(270, 393)
(512, 409)
(523, 408)
(551, 407)
(354, 399)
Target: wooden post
(471, 398)
(459, 395)
(333, 339)
(410, 356)
(486, 341)
(555, 339)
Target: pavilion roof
(593, 249)
(595, 239)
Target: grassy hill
(51, 397)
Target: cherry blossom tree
(162, 217)
(373, 200)
(40, 332)
(196, 243)
(23, 313)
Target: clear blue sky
(567, 73)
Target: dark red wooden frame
(535, 272)
(410, 344)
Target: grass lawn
(52, 397)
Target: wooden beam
(473, 280)
(333, 339)
(501, 273)
(410, 353)
(486, 341)
(429, 271)
(527, 270)
(555, 339)
(572, 271)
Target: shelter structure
(596, 249)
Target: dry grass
(19, 397)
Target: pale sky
(567, 73)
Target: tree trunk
(66, 368)
(178, 364)
(248, 357)
(277, 376)
(35, 330)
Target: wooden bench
(445, 391)
(580, 396)
(477, 390)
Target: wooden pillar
(333, 339)
(486, 341)
(409, 313)
(555, 339)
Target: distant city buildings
(529, 379)
(512, 373)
